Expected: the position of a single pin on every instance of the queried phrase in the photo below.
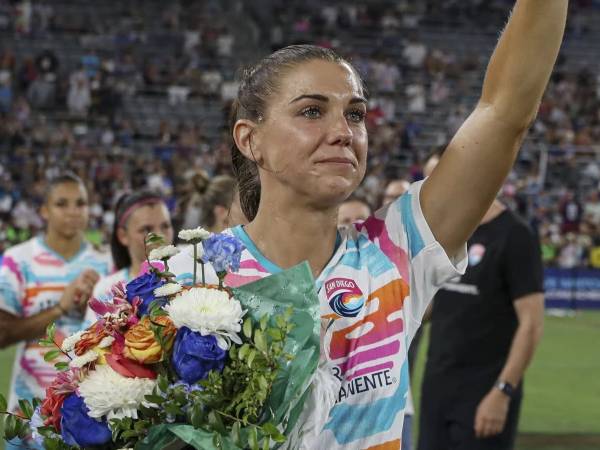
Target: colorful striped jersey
(32, 279)
(375, 288)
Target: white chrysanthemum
(106, 342)
(80, 361)
(167, 289)
(207, 311)
(163, 252)
(195, 234)
(106, 393)
(69, 343)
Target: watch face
(507, 388)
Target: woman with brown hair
(300, 149)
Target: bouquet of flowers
(167, 365)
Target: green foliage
(26, 408)
(154, 239)
(61, 366)
(3, 403)
(52, 355)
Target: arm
(14, 329)
(468, 177)
(490, 417)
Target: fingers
(486, 427)
(90, 276)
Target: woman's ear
(122, 236)
(246, 139)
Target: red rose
(128, 368)
(51, 408)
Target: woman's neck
(134, 269)
(288, 236)
(65, 247)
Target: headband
(136, 205)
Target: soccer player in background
(46, 279)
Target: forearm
(521, 352)
(16, 329)
(522, 63)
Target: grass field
(561, 409)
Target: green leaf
(152, 238)
(46, 431)
(260, 342)
(10, 427)
(274, 334)
(141, 425)
(156, 399)
(52, 355)
(217, 440)
(163, 383)
(262, 382)
(166, 275)
(46, 343)
(266, 443)
(173, 409)
(244, 349)
(251, 357)
(235, 433)
(271, 430)
(253, 439)
(215, 421)
(51, 444)
(130, 434)
(61, 366)
(3, 404)
(51, 331)
(23, 429)
(36, 402)
(197, 415)
(264, 322)
(248, 328)
(26, 408)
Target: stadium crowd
(137, 96)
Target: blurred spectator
(353, 210)
(79, 98)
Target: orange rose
(142, 346)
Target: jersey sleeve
(12, 285)
(523, 269)
(403, 234)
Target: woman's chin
(334, 191)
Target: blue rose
(143, 287)
(195, 355)
(223, 252)
(77, 428)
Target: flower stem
(203, 276)
(61, 350)
(195, 261)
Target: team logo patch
(344, 296)
(476, 252)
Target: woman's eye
(356, 116)
(312, 112)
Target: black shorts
(447, 416)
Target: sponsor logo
(344, 296)
(476, 252)
(364, 383)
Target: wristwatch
(507, 388)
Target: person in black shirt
(484, 330)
